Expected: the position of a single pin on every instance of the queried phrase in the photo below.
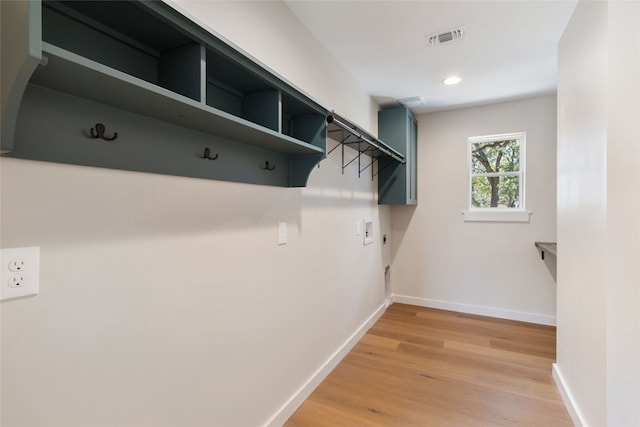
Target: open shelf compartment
(127, 39)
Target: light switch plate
(19, 272)
(282, 233)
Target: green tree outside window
(496, 171)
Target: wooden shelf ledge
(551, 247)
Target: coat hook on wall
(207, 154)
(98, 132)
(267, 167)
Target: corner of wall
(567, 398)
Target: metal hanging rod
(377, 145)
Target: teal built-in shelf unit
(136, 85)
(398, 181)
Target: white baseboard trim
(567, 398)
(542, 319)
(286, 410)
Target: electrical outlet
(17, 265)
(20, 272)
(17, 280)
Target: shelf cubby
(301, 122)
(126, 39)
(236, 90)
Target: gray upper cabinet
(397, 183)
(182, 101)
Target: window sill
(496, 216)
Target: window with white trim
(496, 176)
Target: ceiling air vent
(447, 36)
(413, 101)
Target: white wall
(623, 219)
(582, 208)
(165, 301)
(486, 268)
(598, 367)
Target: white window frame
(517, 214)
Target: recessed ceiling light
(453, 80)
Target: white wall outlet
(19, 272)
(16, 265)
(17, 280)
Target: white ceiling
(508, 50)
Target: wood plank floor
(424, 367)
